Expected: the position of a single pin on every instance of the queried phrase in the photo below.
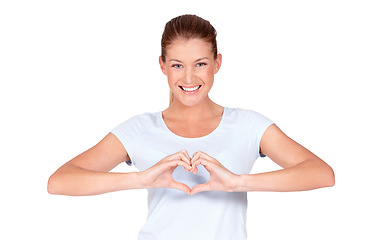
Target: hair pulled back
(188, 27)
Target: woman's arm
(88, 173)
(302, 170)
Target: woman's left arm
(302, 170)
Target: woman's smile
(190, 89)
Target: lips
(190, 89)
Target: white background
(71, 71)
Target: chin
(189, 102)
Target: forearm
(307, 175)
(75, 181)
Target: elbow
(332, 178)
(328, 177)
(323, 174)
(52, 187)
(56, 184)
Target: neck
(205, 109)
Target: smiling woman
(190, 67)
(194, 158)
(187, 27)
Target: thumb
(181, 186)
(200, 188)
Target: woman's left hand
(221, 179)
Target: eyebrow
(175, 60)
(199, 59)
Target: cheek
(208, 75)
(173, 77)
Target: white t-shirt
(214, 215)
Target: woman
(195, 156)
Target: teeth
(190, 89)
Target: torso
(234, 143)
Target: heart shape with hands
(160, 175)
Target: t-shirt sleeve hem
(127, 145)
(262, 130)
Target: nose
(189, 75)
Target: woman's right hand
(160, 175)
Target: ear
(218, 62)
(162, 65)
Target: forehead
(194, 48)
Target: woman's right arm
(88, 173)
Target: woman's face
(190, 68)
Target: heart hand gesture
(160, 175)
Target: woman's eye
(201, 64)
(177, 66)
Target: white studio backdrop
(71, 71)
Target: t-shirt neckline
(195, 138)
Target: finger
(177, 162)
(194, 164)
(181, 157)
(181, 154)
(200, 188)
(181, 186)
(206, 156)
(184, 156)
(200, 154)
(201, 161)
(195, 157)
(192, 160)
(187, 158)
(194, 167)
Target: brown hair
(187, 26)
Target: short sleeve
(254, 125)
(262, 123)
(128, 133)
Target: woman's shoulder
(146, 116)
(244, 114)
(140, 120)
(248, 122)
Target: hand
(160, 175)
(221, 179)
